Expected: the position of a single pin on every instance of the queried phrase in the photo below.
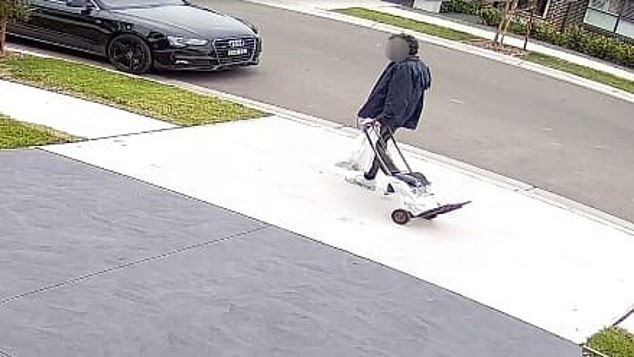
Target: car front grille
(235, 50)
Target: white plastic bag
(361, 157)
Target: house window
(625, 28)
(601, 19)
(540, 10)
(612, 15)
(610, 6)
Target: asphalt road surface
(548, 133)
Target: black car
(139, 35)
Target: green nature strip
(581, 71)
(142, 96)
(409, 24)
(15, 134)
(548, 61)
(613, 342)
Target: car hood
(184, 20)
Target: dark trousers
(381, 148)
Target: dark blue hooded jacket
(398, 95)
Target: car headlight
(183, 41)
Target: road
(554, 135)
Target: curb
(459, 46)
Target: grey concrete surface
(49, 208)
(554, 135)
(260, 292)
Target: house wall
(562, 13)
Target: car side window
(52, 2)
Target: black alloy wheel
(129, 53)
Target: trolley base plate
(432, 213)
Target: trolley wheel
(401, 216)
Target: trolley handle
(366, 131)
(398, 148)
(373, 127)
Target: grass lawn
(142, 96)
(581, 71)
(15, 134)
(409, 24)
(613, 342)
(438, 31)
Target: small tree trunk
(498, 33)
(529, 26)
(3, 37)
(508, 18)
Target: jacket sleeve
(427, 74)
(397, 95)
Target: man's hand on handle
(363, 123)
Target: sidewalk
(628, 323)
(532, 260)
(74, 116)
(317, 8)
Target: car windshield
(118, 4)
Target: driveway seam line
(132, 263)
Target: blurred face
(396, 49)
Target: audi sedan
(137, 36)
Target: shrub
(574, 38)
(596, 45)
(470, 7)
(517, 27)
(491, 16)
(546, 33)
(625, 54)
(615, 342)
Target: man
(396, 101)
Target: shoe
(362, 181)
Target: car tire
(130, 53)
